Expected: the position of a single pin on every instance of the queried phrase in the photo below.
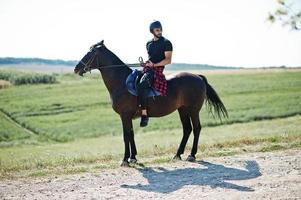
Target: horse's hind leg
(196, 132)
(187, 128)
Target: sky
(216, 32)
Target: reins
(88, 68)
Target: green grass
(80, 107)
(70, 127)
(12, 132)
(153, 147)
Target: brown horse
(186, 93)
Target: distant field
(264, 108)
(40, 68)
(80, 107)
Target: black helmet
(155, 24)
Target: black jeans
(145, 82)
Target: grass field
(70, 127)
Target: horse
(186, 92)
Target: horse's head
(90, 60)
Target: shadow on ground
(162, 180)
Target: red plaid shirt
(160, 83)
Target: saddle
(132, 81)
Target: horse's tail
(213, 100)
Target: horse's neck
(115, 77)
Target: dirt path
(272, 175)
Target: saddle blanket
(131, 86)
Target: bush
(4, 84)
(20, 78)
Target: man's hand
(149, 64)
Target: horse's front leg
(133, 158)
(127, 129)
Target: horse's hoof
(125, 164)
(176, 157)
(133, 160)
(190, 158)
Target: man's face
(157, 32)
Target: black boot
(144, 121)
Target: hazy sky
(217, 32)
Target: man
(159, 51)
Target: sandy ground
(271, 175)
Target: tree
(286, 14)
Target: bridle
(87, 67)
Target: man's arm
(166, 61)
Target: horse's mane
(115, 59)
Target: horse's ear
(97, 44)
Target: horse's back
(188, 88)
(185, 79)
